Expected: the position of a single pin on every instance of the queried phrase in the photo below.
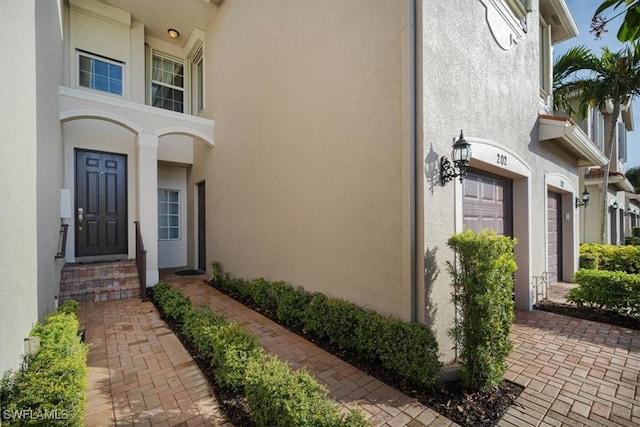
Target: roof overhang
(566, 134)
(620, 181)
(556, 13)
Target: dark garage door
(554, 236)
(487, 203)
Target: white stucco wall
(469, 81)
(31, 174)
(305, 180)
(173, 253)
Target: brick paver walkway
(139, 372)
(381, 404)
(575, 372)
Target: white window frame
(546, 73)
(183, 89)
(168, 227)
(106, 60)
(197, 81)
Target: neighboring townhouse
(621, 197)
(324, 166)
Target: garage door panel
(554, 236)
(487, 203)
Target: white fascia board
(572, 135)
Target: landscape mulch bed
(481, 409)
(590, 313)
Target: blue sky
(582, 11)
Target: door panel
(554, 236)
(101, 194)
(486, 203)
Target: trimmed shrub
(611, 290)
(51, 386)
(635, 231)
(199, 327)
(240, 364)
(483, 296)
(611, 257)
(173, 304)
(278, 396)
(290, 304)
(346, 325)
(233, 347)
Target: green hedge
(276, 395)
(595, 256)
(410, 350)
(483, 296)
(611, 290)
(281, 397)
(51, 387)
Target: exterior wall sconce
(461, 156)
(613, 206)
(586, 197)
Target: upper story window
(167, 83)
(597, 129)
(622, 142)
(174, 83)
(96, 72)
(198, 86)
(546, 72)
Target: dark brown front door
(202, 228)
(101, 203)
(486, 203)
(554, 236)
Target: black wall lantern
(461, 156)
(613, 206)
(586, 196)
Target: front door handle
(80, 218)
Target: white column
(148, 201)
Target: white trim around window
(95, 72)
(168, 214)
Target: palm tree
(587, 80)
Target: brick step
(100, 281)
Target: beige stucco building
(323, 167)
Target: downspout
(412, 71)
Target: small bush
(52, 384)
(174, 305)
(611, 257)
(635, 231)
(233, 348)
(345, 325)
(611, 290)
(199, 327)
(240, 364)
(278, 396)
(483, 296)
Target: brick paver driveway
(576, 372)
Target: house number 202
(501, 159)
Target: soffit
(566, 134)
(556, 13)
(158, 16)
